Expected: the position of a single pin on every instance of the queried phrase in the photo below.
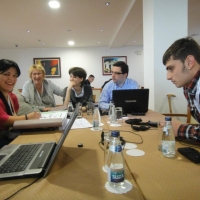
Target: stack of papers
(47, 120)
(54, 115)
(78, 123)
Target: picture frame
(51, 65)
(108, 61)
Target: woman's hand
(71, 85)
(34, 115)
(46, 109)
(84, 109)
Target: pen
(34, 109)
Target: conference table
(77, 171)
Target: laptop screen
(62, 139)
(132, 101)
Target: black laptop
(35, 159)
(133, 101)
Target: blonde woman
(38, 91)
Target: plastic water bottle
(115, 162)
(96, 119)
(168, 139)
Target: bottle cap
(168, 119)
(115, 133)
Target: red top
(3, 114)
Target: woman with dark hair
(76, 90)
(9, 72)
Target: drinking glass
(160, 126)
(107, 139)
(80, 111)
(119, 115)
(90, 108)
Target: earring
(189, 68)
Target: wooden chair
(188, 115)
(94, 97)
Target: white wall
(160, 31)
(88, 58)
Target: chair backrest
(94, 97)
(188, 115)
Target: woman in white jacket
(38, 91)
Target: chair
(94, 97)
(188, 115)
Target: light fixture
(101, 29)
(28, 31)
(98, 42)
(54, 4)
(71, 43)
(135, 41)
(107, 3)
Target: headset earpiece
(140, 128)
(133, 121)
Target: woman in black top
(76, 90)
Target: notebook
(134, 101)
(41, 159)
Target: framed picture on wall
(108, 61)
(51, 65)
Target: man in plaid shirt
(182, 61)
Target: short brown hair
(80, 72)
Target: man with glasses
(119, 82)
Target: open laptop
(133, 101)
(43, 155)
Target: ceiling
(80, 21)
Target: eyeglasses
(116, 73)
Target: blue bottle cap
(168, 119)
(115, 133)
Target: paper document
(78, 123)
(54, 115)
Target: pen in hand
(34, 109)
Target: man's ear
(190, 61)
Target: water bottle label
(95, 124)
(116, 175)
(114, 148)
(164, 147)
(166, 131)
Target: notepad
(47, 120)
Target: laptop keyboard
(20, 159)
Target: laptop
(39, 162)
(133, 101)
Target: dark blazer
(87, 82)
(84, 99)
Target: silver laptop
(38, 159)
(134, 101)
